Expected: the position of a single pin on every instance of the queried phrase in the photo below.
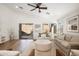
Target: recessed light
(47, 13)
(16, 6)
(19, 7)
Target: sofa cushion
(74, 52)
(68, 37)
(75, 38)
(65, 44)
(61, 37)
(74, 43)
(9, 53)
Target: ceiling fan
(37, 6)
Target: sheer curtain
(27, 28)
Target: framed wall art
(73, 24)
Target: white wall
(65, 18)
(6, 21)
(10, 19)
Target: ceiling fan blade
(31, 5)
(33, 9)
(42, 7)
(39, 4)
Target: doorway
(26, 31)
(53, 30)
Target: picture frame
(73, 24)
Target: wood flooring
(16, 45)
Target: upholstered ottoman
(43, 48)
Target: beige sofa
(63, 47)
(66, 42)
(74, 52)
(74, 42)
(9, 53)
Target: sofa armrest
(63, 46)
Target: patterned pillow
(68, 37)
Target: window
(26, 30)
(46, 28)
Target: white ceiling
(56, 10)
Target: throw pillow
(68, 37)
(61, 37)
